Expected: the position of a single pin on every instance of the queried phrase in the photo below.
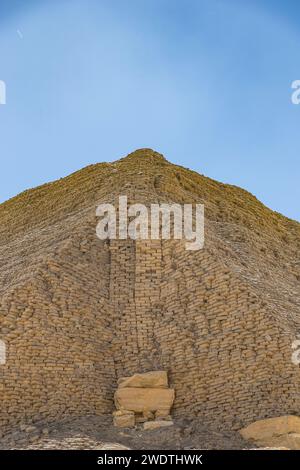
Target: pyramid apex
(144, 153)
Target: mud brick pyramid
(78, 313)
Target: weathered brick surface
(78, 313)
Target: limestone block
(284, 442)
(291, 441)
(162, 413)
(122, 412)
(279, 431)
(149, 425)
(144, 399)
(148, 415)
(124, 420)
(155, 379)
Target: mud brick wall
(98, 311)
(57, 330)
(92, 312)
(228, 356)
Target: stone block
(154, 379)
(150, 425)
(144, 399)
(275, 432)
(124, 420)
(162, 413)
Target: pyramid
(78, 313)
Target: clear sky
(205, 82)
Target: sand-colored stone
(154, 379)
(291, 441)
(282, 431)
(150, 425)
(148, 415)
(122, 412)
(162, 413)
(286, 441)
(271, 427)
(144, 399)
(125, 420)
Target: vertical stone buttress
(135, 283)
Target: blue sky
(205, 82)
